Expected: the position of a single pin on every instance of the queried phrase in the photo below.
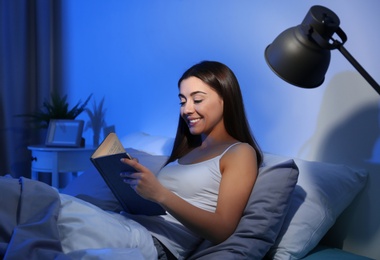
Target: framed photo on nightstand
(64, 133)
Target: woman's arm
(239, 172)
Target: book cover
(106, 159)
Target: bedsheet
(84, 226)
(36, 222)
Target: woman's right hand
(143, 181)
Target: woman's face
(201, 106)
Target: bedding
(39, 223)
(82, 225)
(267, 212)
(306, 209)
(28, 220)
(291, 207)
(323, 191)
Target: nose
(187, 108)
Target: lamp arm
(358, 67)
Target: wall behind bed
(133, 52)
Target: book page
(110, 145)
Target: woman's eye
(182, 103)
(197, 101)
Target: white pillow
(322, 192)
(152, 144)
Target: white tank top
(196, 183)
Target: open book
(106, 159)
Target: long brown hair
(220, 78)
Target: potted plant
(97, 120)
(56, 108)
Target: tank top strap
(232, 145)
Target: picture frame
(64, 133)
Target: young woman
(204, 187)
(206, 183)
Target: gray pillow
(263, 216)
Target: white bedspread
(88, 232)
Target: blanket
(37, 222)
(28, 220)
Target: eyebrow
(193, 93)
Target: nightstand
(59, 159)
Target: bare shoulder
(240, 153)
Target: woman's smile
(193, 121)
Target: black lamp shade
(301, 55)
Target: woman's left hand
(143, 181)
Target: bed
(291, 208)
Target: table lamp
(300, 55)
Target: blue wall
(133, 52)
